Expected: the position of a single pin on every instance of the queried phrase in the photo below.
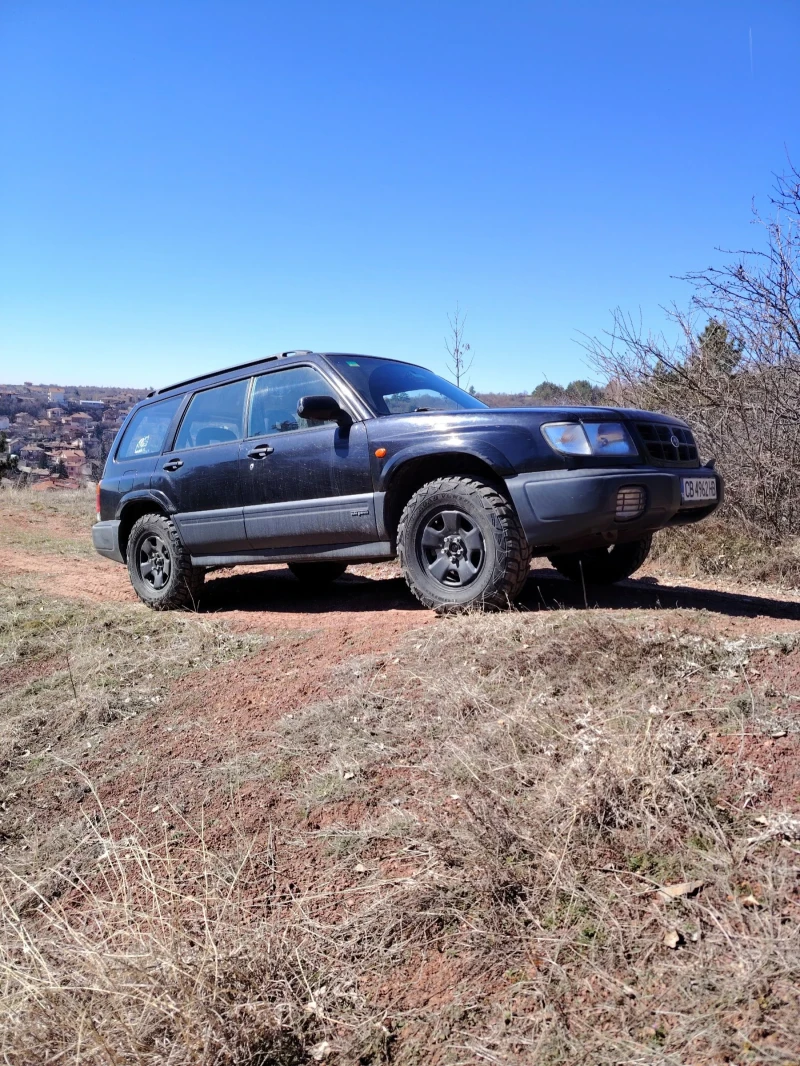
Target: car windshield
(398, 388)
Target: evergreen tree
(718, 349)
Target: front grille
(669, 445)
(631, 502)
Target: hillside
(297, 826)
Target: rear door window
(214, 416)
(147, 430)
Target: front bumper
(576, 509)
(105, 537)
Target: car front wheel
(160, 568)
(460, 545)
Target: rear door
(200, 474)
(303, 483)
(132, 463)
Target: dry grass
(70, 669)
(155, 956)
(466, 869)
(57, 521)
(729, 549)
(549, 777)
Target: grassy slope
(460, 860)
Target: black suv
(319, 460)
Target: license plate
(698, 489)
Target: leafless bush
(738, 381)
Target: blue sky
(188, 185)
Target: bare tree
(457, 348)
(738, 381)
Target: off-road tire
(181, 589)
(506, 559)
(317, 573)
(604, 566)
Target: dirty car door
(200, 475)
(303, 482)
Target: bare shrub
(738, 381)
(733, 550)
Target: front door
(200, 475)
(304, 483)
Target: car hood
(548, 414)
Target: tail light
(97, 500)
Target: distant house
(54, 412)
(34, 471)
(5, 422)
(75, 463)
(22, 418)
(55, 396)
(32, 453)
(98, 405)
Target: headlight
(609, 438)
(567, 437)
(589, 438)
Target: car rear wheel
(160, 568)
(460, 545)
(604, 566)
(317, 573)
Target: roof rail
(228, 369)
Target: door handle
(173, 464)
(261, 452)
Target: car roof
(294, 352)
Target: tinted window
(273, 408)
(398, 388)
(214, 416)
(148, 428)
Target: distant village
(54, 437)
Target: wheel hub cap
(450, 548)
(155, 561)
(454, 547)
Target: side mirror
(322, 409)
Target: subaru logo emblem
(674, 441)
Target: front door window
(273, 408)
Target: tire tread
(188, 584)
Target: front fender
(486, 453)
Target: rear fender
(160, 500)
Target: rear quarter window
(147, 430)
